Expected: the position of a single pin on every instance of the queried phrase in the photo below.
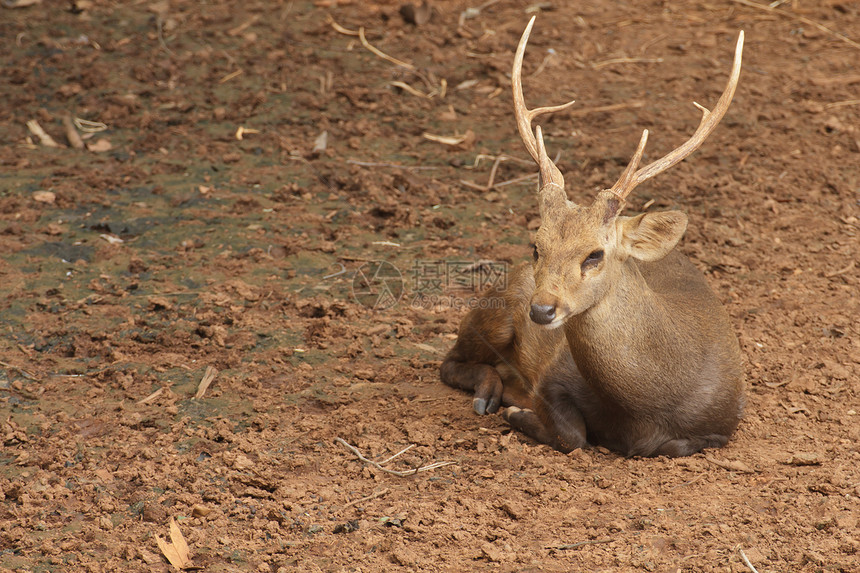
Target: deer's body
(653, 382)
(611, 337)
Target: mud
(211, 224)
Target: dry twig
(72, 133)
(341, 30)
(380, 53)
(230, 76)
(207, 379)
(731, 465)
(614, 61)
(841, 271)
(379, 465)
(842, 103)
(803, 19)
(392, 165)
(491, 184)
(605, 108)
(374, 495)
(24, 373)
(19, 3)
(151, 397)
(409, 89)
(579, 544)
(746, 560)
(43, 136)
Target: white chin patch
(554, 324)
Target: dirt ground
(263, 195)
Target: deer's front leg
(481, 379)
(556, 419)
(481, 360)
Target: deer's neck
(621, 339)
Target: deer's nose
(542, 313)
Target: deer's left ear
(651, 236)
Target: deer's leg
(483, 341)
(688, 446)
(525, 420)
(556, 419)
(481, 379)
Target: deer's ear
(651, 236)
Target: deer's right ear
(651, 236)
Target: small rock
(365, 374)
(404, 556)
(200, 511)
(150, 558)
(417, 15)
(347, 527)
(814, 557)
(100, 146)
(491, 552)
(513, 509)
(804, 459)
(154, 513)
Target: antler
(549, 173)
(710, 120)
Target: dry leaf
(426, 347)
(48, 197)
(20, 3)
(731, 465)
(320, 143)
(177, 550)
(111, 239)
(464, 141)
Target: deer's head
(580, 250)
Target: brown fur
(653, 369)
(611, 337)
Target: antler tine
(547, 167)
(710, 120)
(524, 115)
(622, 186)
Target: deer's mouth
(557, 322)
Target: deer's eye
(593, 259)
(535, 252)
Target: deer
(610, 337)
